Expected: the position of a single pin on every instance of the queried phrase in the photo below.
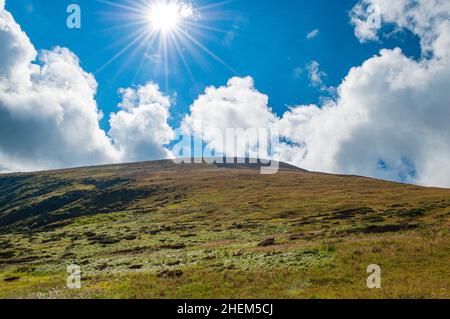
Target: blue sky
(269, 42)
(265, 64)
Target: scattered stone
(296, 236)
(135, 267)
(103, 240)
(377, 229)
(209, 257)
(267, 242)
(153, 232)
(101, 267)
(85, 262)
(90, 234)
(69, 255)
(244, 225)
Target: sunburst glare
(166, 16)
(172, 28)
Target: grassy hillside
(160, 230)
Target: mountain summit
(199, 230)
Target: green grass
(155, 230)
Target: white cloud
(313, 34)
(48, 114)
(141, 128)
(316, 77)
(236, 105)
(315, 74)
(16, 52)
(366, 19)
(424, 18)
(388, 120)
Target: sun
(169, 33)
(166, 16)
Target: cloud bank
(49, 117)
(389, 118)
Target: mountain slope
(158, 229)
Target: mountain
(158, 229)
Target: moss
(136, 221)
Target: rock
(101, 267)
(10, 279)
(267, 242)
(135, 267)
(296, 236)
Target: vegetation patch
(159, 230)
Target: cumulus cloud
(16, 52)
(425, 18)
(390, 121)
(366, 19)
(389, 118)
(48, 114)
(141, 128)
(236, 105)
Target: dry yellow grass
(158, 230)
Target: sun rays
(171, 30)
(167, 16)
